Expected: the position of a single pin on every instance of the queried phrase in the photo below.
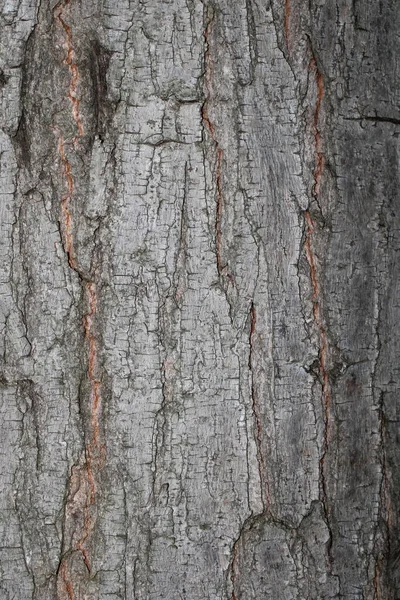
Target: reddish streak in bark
(94, 450)
(67, 583)
(316, 287)
(72, 95)
(219, 152)
(83, 481)
(73, 67)
(320, 158)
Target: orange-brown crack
(320, 158)
(94, 450)
(72, 95)
(219, 151)
(83, 476)
(76, 505)
(73, 68)
(82, 500)
(67, 583)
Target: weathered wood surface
(200, 233)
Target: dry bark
(200, 230)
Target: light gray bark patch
(263, 544)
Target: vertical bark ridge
(265, 491)
(323, 355)
(234, 570)
(219, 152)
(93, 367)
(317, 292)
(73, 68)
(65, 205)
(288, 10)
(320, 157)
(83, 476)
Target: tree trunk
(200, 233)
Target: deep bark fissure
(83, 476)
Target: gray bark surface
(199, 275)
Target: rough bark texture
(200, 235)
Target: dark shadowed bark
(199, 275)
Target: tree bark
(200, 234)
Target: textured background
(199, 275)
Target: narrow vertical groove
(73, 68)
(318, 320)
(73, 97)
(233, 570)
(320, 157)
(265, 492)
(265, 489)
(92, 363)
(323, 359)
(82, 483)
(219, 151)
(323, 352)
(67, 582)
(65, 204)
(287, 22)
